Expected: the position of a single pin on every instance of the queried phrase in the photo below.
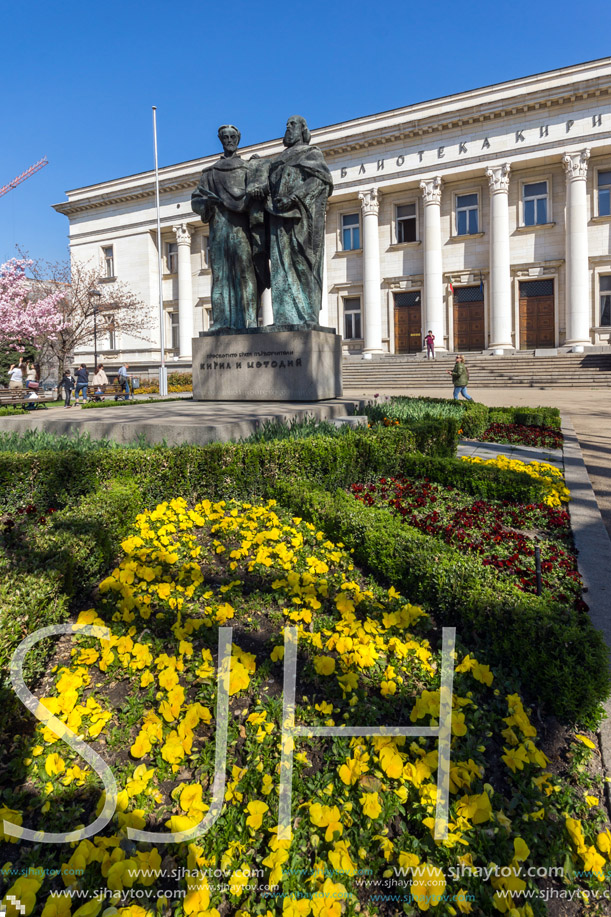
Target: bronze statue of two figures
(265, 213)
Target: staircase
(402, 372)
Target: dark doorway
(408, 322)
(537, 328)
(469, 328)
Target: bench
(112, 388)
(14, 397)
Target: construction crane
(24, 175)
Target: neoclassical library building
(484, 217)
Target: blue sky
(79, 79)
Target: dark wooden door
(537, 326)
(408, 323)
(469, 327)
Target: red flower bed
(520, 435)
(503, 535)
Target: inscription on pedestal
(303, 366)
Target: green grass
(41, 440)
(295, 428)
(412, 409)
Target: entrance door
(469, 328)
(408, 322)
(537, 327)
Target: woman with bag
(460, 378)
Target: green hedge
(489, 482)
(43, 568)
(554, 654)
(530, 417)
(220, 469)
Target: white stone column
(372, 295)
(185, 291)
(577, 273)
(267, 312)
(323, 316)
(500, 272)
(433, 315)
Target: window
(605, 300)
(604, 194)
(352, 318)
(110, 328)
(351, 232)
(109, 261)
(205, 246)
(174, 328)
(467, 214)
(406, 223)
(172, 257)
(535, 203)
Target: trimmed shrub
(547, 647)
(52, 479)
(45, 565)
(475, 418)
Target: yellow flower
(324, 665)
(239, 678)
(476, 808)
(54, 765)
(57, 905)
(257, 810)
(371, 805)
(339, 858)
(326, 817)
(585, 741)
(10, 815)
(428, 886)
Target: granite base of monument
(267, 364)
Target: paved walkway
(476, 449)
(590, 413)
(184, 421)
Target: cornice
(539, 92)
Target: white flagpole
(163, 376)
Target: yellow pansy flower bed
(363, 808)
(552, 479)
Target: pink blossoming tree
(24, 319)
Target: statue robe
(297, 236)
(237, 242)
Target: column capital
(370, 201)
(431, 190)
(498, 177)
(183, 233)
(576, 164)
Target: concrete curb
(594, 561)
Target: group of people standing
(79, 384)
(24, 375)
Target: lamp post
(95, 309)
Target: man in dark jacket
(82, 380)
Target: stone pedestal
(276, 363)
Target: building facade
(484, 217)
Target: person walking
(460, 378)
(67, 383)
(100, 381)
(430, 345)
(82, 381)
(16, 375)
(123, 381)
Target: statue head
(296, 131)
(230, 137)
